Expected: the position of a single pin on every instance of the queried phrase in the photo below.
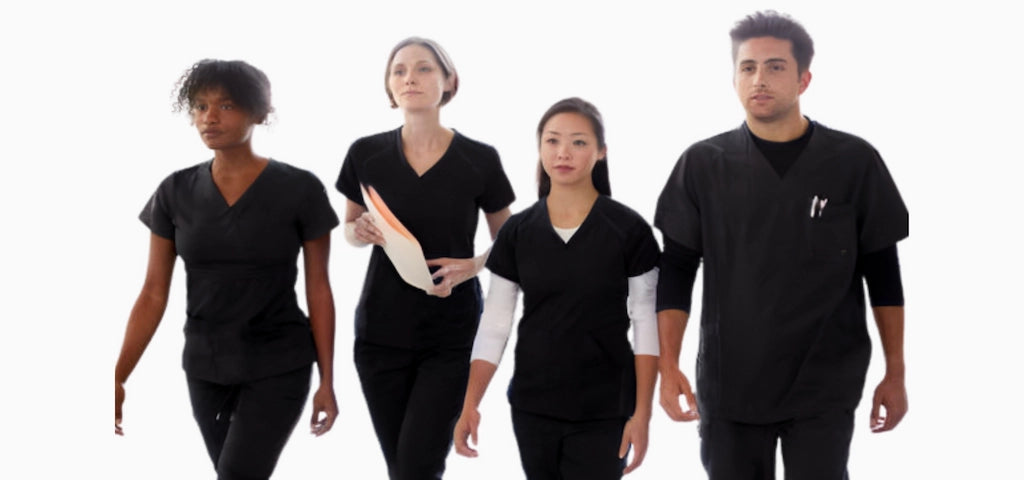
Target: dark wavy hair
(248, 86)
(769, 23)
(599, 175)
(443, 60)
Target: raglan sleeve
(677, 214)
(158, 213)
(882, 217)
(316, 216)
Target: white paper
(404, 251)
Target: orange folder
(399, 244)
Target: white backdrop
(87, 134)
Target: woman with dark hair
(412, 345)
(238, 222)
(586, 264)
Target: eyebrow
(575, 134)
(770, 60)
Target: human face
(768, 81)
(221, 123)
(416, 80)
(569, 150)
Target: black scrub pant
(414, 398)
(813, 448)
(245, 426)
(553, 449)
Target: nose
(758, 78)
(210, 115)
(563, 151)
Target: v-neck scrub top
(243, 320)
(573, 360)
(783, 330)
(441, 209)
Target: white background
(87, 133)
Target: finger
(117, 428)
(624, 444)
(672, 408)
(876, 406)
(638, 458)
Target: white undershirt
(499, 310)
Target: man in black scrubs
(788, 216)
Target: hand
(118, 400)
(635, 434)
(891, 394)
(325, 411)
(465, 428)
(674, 384)
(366, 231)
(453, 271)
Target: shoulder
(842, 141)
(371, 144)
(470, 145)
(478, 155)
(185, 176)
(711, 149)
(291, 173)
(620, 216)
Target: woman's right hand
(365, 231)
(118, 400)
(465, 429)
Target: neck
(236, 158)
(779, 130)
(423, 128)
(568, 205)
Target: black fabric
(783, 329)
(553, 449)
(245, 426)
(813, 448)
(414, 398)
(243, 319)
(782, 155)
(573, 359)
(441, 209)
(881, 272)
(677, 272)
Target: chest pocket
(833, 235)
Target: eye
(778, 67)
(425, 69)
(580, 143)
(551, 141)
(398, 72)
(199, 107)
(227, 106)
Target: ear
(602, 155)
(805, 80)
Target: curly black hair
(247, 86)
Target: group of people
(789, 218)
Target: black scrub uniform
(574, 366)
(248, 344)
(783, 333)
(412, 349)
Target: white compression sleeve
(641, 308)
(496, 321)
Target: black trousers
(813, 448)
(414, 398)
(555, 449)
(246, 426)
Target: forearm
(646, 377)
(142, 324)
(671, 326)
(322, 323)
(890, 330)
(480, 374)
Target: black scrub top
(573, 360)
(243, 321)
(783, 330)
(441, 209)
